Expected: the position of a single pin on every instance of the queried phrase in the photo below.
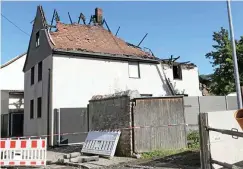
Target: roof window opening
(177, 72)
(37, 40)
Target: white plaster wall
(36, 126)
(189, 83)
(223, 147)
(12, 76)
(76, 80)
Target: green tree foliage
(222, 61)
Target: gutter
(105, 56)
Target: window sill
(178, 79)
(134, 78)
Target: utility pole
(236, 71)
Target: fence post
(204, 141)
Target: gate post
(204, 141)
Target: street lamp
(236, 71)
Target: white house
(66, 67)
(12, 96)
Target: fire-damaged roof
(92, 38)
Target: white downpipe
(59, 126)
(52, 127)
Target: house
(66, 67)
(12, 96)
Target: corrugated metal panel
(157, 112)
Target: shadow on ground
(66, 149)
(188, 159)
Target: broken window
(31, 109)
(37, 39)
(32, 76)
(39, 105)
(177, 72)
(134, 71)
(39, 71)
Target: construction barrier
(101, 143)
(23, 152)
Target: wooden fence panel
(164, 120)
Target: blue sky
(174, 28)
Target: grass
(194, 146)
(164, 153)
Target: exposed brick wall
(113, 113)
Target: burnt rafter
(70, 19)
(142, 39)
(57, 18)
(81, 16)
(104, 22)
(92, 19)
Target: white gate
(101, 143)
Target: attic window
(134, 71)
(177, 72)
(37, 40)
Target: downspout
(48, 105)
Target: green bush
(193, 139)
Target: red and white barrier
(23, 152)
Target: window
(37, 39)
(39, 105)
(31, 109)
(39, 71)
(177, 73)
(134, 71)
(32, 78)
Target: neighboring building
(205, 82)
(12, 97)
(66, 67)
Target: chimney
(98, 16)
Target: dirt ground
(185, 160)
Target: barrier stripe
(31, 152)
(76, 133)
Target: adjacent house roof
(12, 60)
(92, 38)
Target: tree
(221, 59)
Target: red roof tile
(94, 39)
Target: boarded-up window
(39, 105)
(32, 76)
(177, 72)
(39, 71)
(134, 71)
(31, 109)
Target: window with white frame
(133, 68)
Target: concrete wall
(12, 76)
(81, 78)
(113, 113)
(72, 120)
(4, 102)
(223, 147)
(195, 105)
(36, 126)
